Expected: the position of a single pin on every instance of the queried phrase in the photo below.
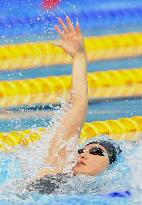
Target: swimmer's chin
(75, 169)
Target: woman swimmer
(95, 156)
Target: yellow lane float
(121, 129)
(102, 84)
(33, 54)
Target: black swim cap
(112, 150)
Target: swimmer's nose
(83, 154)
(82, 159)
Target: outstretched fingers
(70, 26)
(78, 28)
(59, 31)
(63, 25)
(67, 31)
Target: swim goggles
(94, 151)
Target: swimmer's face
(90, 164)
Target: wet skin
(91, 164)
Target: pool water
(73, 200)
(120, 184)
(16, 168)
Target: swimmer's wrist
(80, 55)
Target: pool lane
(67, 69)
(40, 116)
(34, 24)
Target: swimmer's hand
(71, 38)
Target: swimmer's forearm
(73, 117)
(79, 75)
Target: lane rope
(29, 55)
(37, 24)
(120, 129)
(102, 84)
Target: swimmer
(96, 156)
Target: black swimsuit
(48, 184)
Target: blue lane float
(39, 24)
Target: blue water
(103, 17)
(58, 70)
(27, 19)
(98, 110)
(95, 188)
(74, 200)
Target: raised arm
(71, 123)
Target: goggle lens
(94, 151)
